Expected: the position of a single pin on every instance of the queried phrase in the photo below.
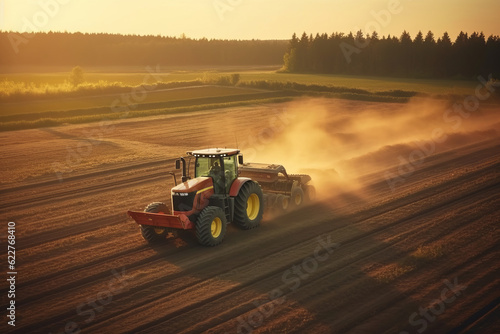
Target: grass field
(135, 76)
(372, 84)
(85, 102)
(46, 98)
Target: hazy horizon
(256, 19)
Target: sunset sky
(248, 19)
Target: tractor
(224, 189)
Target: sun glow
(259, 19)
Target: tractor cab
(219, 164)
(215, 176)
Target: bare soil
(419, 257)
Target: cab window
(230, 170)
(204, 165)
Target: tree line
(421, 56)
(338, 53)
(83, 49)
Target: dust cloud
(337, 141)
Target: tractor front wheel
(211, 226)
(249, 206)
(153, 234)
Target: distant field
(47, 113)
(30, 110)
(135, 76)
(127, 78)
(63, 104)
(373, 84)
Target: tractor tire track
(350, 221)
(366, 235)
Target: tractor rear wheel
(211, 226)
(154, 234)
(249, 206)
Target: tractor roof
(214, 152)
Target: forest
(83, 49)
(418, 57)
(357, 54)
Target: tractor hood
(193, 185)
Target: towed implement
(223, 190)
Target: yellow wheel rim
(216, 227)
(253, 206)
(159, 230)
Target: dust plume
(337, 141)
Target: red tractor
(220, 193)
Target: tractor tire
(310, 193)
(211, 226)
(282, 203)
(249, 206)
(297, 197)
(155, 234)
